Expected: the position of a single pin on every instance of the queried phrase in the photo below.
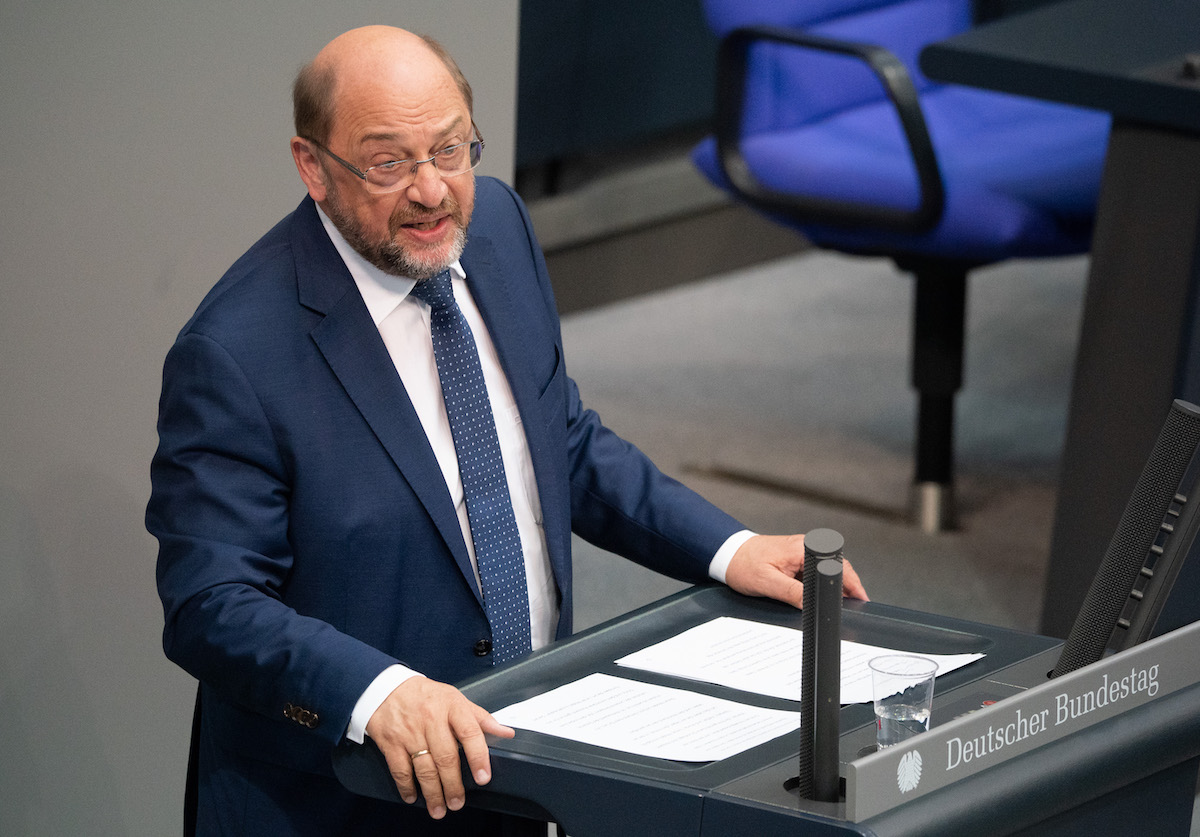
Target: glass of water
(903, 689)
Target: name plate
(1024, 722)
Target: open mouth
(423, 225)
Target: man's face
(421, 229)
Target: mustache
(415, 214)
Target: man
(320, 562)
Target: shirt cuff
(720, 561)
(373, 697)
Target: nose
(428, 188)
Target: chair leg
(939, 312)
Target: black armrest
(731, 73)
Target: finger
(450, 776)
(785, 588)
(852, 585)
(464, 729)
(493, 727)
(428, 776)
(400, 767)
(473, 739)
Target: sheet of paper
(764, 659)
(649, 720)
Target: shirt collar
(381, 292)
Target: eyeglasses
(395, 175)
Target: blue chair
(825, 123)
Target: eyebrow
(389, 136)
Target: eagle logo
(908, 772)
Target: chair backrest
(818, 84)
(725, 15)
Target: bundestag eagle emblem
(908, 772)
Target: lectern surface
(594, 790)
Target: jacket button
(483, 648)
(301, 715)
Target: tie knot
(435, 291)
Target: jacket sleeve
(622, 502)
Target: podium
(1132, 760)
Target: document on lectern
(649, 720)
(765, 659)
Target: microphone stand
(821, 667)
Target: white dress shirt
(403, 323)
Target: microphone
(821, 667)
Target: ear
(309, 167)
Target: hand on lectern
(419, 729)
(771, 565)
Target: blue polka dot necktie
(489, 506)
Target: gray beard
(389, 256)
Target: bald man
(317, 564)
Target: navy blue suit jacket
(307, 538)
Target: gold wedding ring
(417, 754)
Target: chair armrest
(731, 75)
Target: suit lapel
(350, 343)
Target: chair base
(932, 507)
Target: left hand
(770, 565)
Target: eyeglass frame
(361, 174)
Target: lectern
(1009, 752)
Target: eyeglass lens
(449, 161)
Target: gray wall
(144, 146)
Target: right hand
(419, 729)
